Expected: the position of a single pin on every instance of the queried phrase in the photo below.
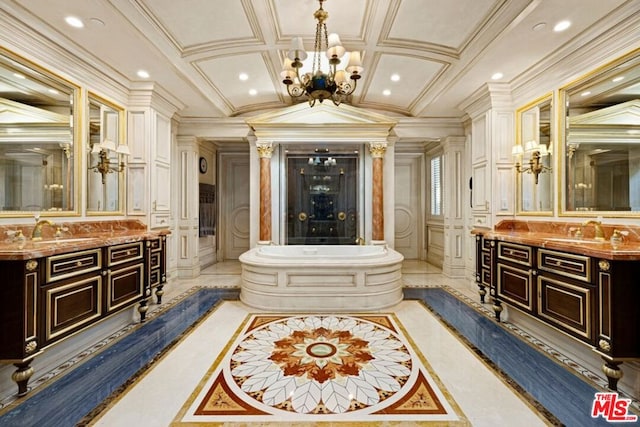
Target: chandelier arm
(295, 92)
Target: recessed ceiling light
(395, 77)
(618, 79)
(587, 93)
(96, 21)
(561, 26)
(74, 22)
(497, 76)
(143, 74)
(243, 76)
(253, 92)
(539, 26)
(386, 92)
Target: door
(234, 202)
(408, 205)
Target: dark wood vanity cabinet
(125, 281)
(44, 300)
(515, 276)
(157, 265)
(19, 340)
(485, 250)
(71, 294)
(589, 298)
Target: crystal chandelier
(318, 85)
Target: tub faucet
(36, 234)
(597, 225)
(360, 241)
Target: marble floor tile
(146, 373)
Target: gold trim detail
(30, 347)
(302, 216)
(377, 149)
(604, 265)
(604, 345)
(612, 373)
(265, 149)
(31, 265)
(342, 216)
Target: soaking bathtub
(321, 278)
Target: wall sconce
(536, 152)
(104, 166)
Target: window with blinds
(436, 186)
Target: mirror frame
(87, 156)
(579, 83)
(519, 141)
(76, 122)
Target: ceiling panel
(295, 17)
(223, 72)
(209, 21)
(442, 22)
(415, 75)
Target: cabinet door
(71, 304)
(568, 306)
(515, 286)
(125, 285)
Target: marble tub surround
(69, 236)
(321, 277)
(562, 236)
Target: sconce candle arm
(104, 165)
(536, 167)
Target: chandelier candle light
(318, 85)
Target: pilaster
(453, 206)
(187, 224)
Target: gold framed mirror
(39, 140)
(532, 155)
(106, 157)
(601, 135)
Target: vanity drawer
(73, 264)
(486, 260)
(568, 265)
(119, 254)
(154, 244)
(487, 244)
(515, 253)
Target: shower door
(322, 199)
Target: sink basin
(575, 241)
(61, 240)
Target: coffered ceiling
(443, 50)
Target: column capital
(377, 149)
(265, 149)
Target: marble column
(265, 150)
(377, 151)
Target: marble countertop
(561, 237)
(76, 237)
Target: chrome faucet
(36, 234)
(597, 225)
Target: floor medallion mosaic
(320, 368)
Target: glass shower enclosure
(322, 198)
